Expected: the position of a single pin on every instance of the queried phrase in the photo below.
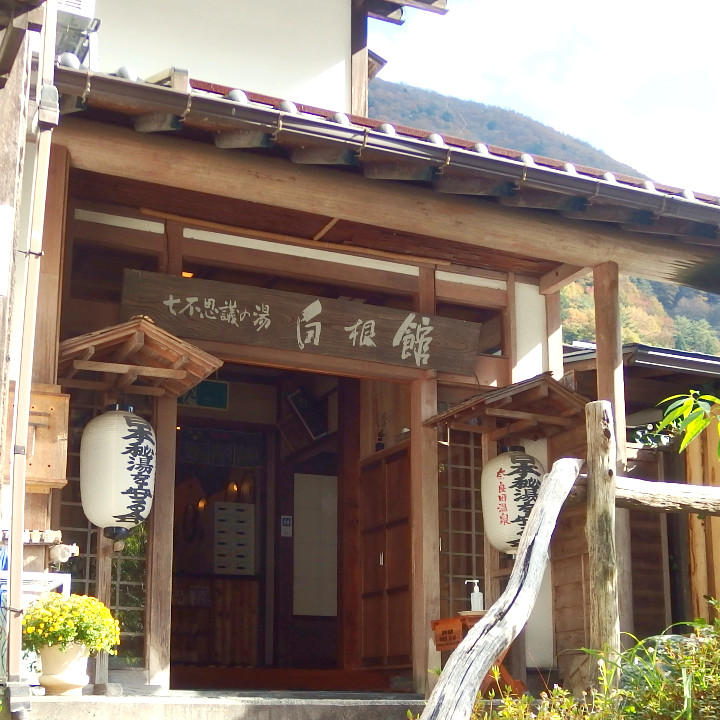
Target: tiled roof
(232, 118)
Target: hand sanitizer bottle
(476, 597)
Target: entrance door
(386, 560)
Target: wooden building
(355, 280)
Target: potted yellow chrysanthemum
(64, 630)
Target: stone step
(240, 706)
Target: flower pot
(64, 672)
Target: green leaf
(671, 417)
(693, 430)
(694, 415)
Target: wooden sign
(209, 310)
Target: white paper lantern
(509, 487)
(117, 470)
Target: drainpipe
(47, 118)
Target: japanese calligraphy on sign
(205, 309)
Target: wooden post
(455, 692)
(611, 387)
(103, 590)
(600, 528)
(424, 507)
(47, 329)
(160, 548)
(358, 58)
(349, 609)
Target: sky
(638, 79)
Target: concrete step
(179, 705)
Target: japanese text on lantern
(502, 507)
(140, 451)
(525, 485)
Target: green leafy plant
(689, 414)
(55, 619)
(666, 677)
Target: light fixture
(117, 470)
(187, 274)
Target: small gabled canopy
(135, 357)
(535, 408)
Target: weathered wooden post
(600, 527)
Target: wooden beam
(47, 328)
(160, 550)
(471, 294)
(610, 213)
(674, 226)
(156, 122)
(600, 528)
(273, 181)
(104, 386)
(561, 276)
(287, 265)
(134, 343)
(539, 199)
(535, 417)
(407, 171)
(451, 184)
(358, 58)
(299, 361)
(229, 139)
(322, 155)
(124, 368)
(516, 428)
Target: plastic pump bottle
(476, 597)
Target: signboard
(209, 310)
(212, 394)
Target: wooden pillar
(424, 508)
(358, 58)
(160, 547)
(699, 581)
(600, 527)
(611, 387)
(103, 591)
(350, 609)
(47, 328)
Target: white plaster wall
(531, 332)
(284, 48)
(532, 359)
(539, 631)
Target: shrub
(55, 619)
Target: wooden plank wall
(651, 594)
(703, 468)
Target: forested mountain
(653, 313)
